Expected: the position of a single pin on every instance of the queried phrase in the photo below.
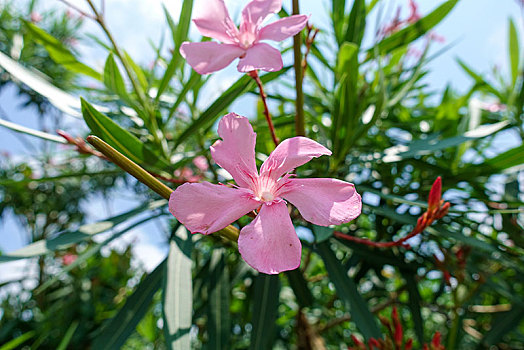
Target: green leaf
(113, 79)
(338, 18)
(211, 114)
(414, 31)
(504, 323)
(506, 160)
(514, 51)
(179, 33)
(59, 53)
(265, 308)
(116, 331)
(424, 147)
(15, 343)
(84, 232)
(298, 283)
(62, 100)
(67, 337)
(479, 80)
(218, 314)
(139, 73)
(178, 292)
(121, 139)
(348, 292)
(193, 80)
(322, 233)
(414, 304)
(32, 132)
(356, 23)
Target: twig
(77, 9)
(309, 42)
(254, 74)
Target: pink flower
(244, 43)
(269, 243)
(36, 17)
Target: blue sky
(478, 29)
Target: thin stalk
(300, 129)
(263, 96)
(230, 232)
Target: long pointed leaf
(178, 293)
(218, 314)
(265, 302)
(348, 292)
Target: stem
(299, 103)
(254, 74)
(230, 232)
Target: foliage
(390, 134)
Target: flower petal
(214, 21)
(269, 243)
(209, 57)
(256, 12)
(236, 151)
(283, 28)
(261, 56)
(323, 202)
(207, 208)
(290, 154)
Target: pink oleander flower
(244, 42)
(269, 243)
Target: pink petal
(269, 243)
(209, 57)
(290, 154)
(207, 208)
(283, 28)
(261, 56)
(236, 151)
(256, 12)
(324, 202)
(214, 21)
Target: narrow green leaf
(139, 73)
(414, 31)
(184, 21)
(479, 80)
(299, 285)
(178, 292)
(84, 232)
(193, 80)
(15, 343)
(423, 147)
(67, 337)
(356, 23)
(338, 11)
(121, 139)
(116, 331)
(59, 53)
(218, 314)
(514, 51)
(113, 79)
(414, 304)
(348, 292)
(32, 132)
(265, 308)
(211, 114)
(322, 233)
(506, 160)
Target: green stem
(299, 102)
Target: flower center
(267, 196)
